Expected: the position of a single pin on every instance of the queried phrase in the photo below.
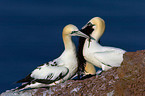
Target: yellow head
(98, 25)
(69, 28)
(98, 22)
(72, 30)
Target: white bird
(101, 56)
(58, 70)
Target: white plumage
(58, 70)
(101, 56)
(49, 72)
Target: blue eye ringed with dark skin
(73, 32)
(90, 24)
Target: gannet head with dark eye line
(71, 30)
(88, 28)
(90, 24)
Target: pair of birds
(66, 66)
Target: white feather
(44, 71)
(101, 56)
(60, 69)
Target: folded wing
(46, 74)
(110, 58)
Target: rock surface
(127, 80)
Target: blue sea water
(30, 30)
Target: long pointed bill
(84, 27)
(79, 33)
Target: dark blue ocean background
(30, 30)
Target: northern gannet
(101, 56)
(58, 70)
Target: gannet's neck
(68, 44)
(99, 28)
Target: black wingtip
(28, 78)
(22, 86)
(87, 76)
